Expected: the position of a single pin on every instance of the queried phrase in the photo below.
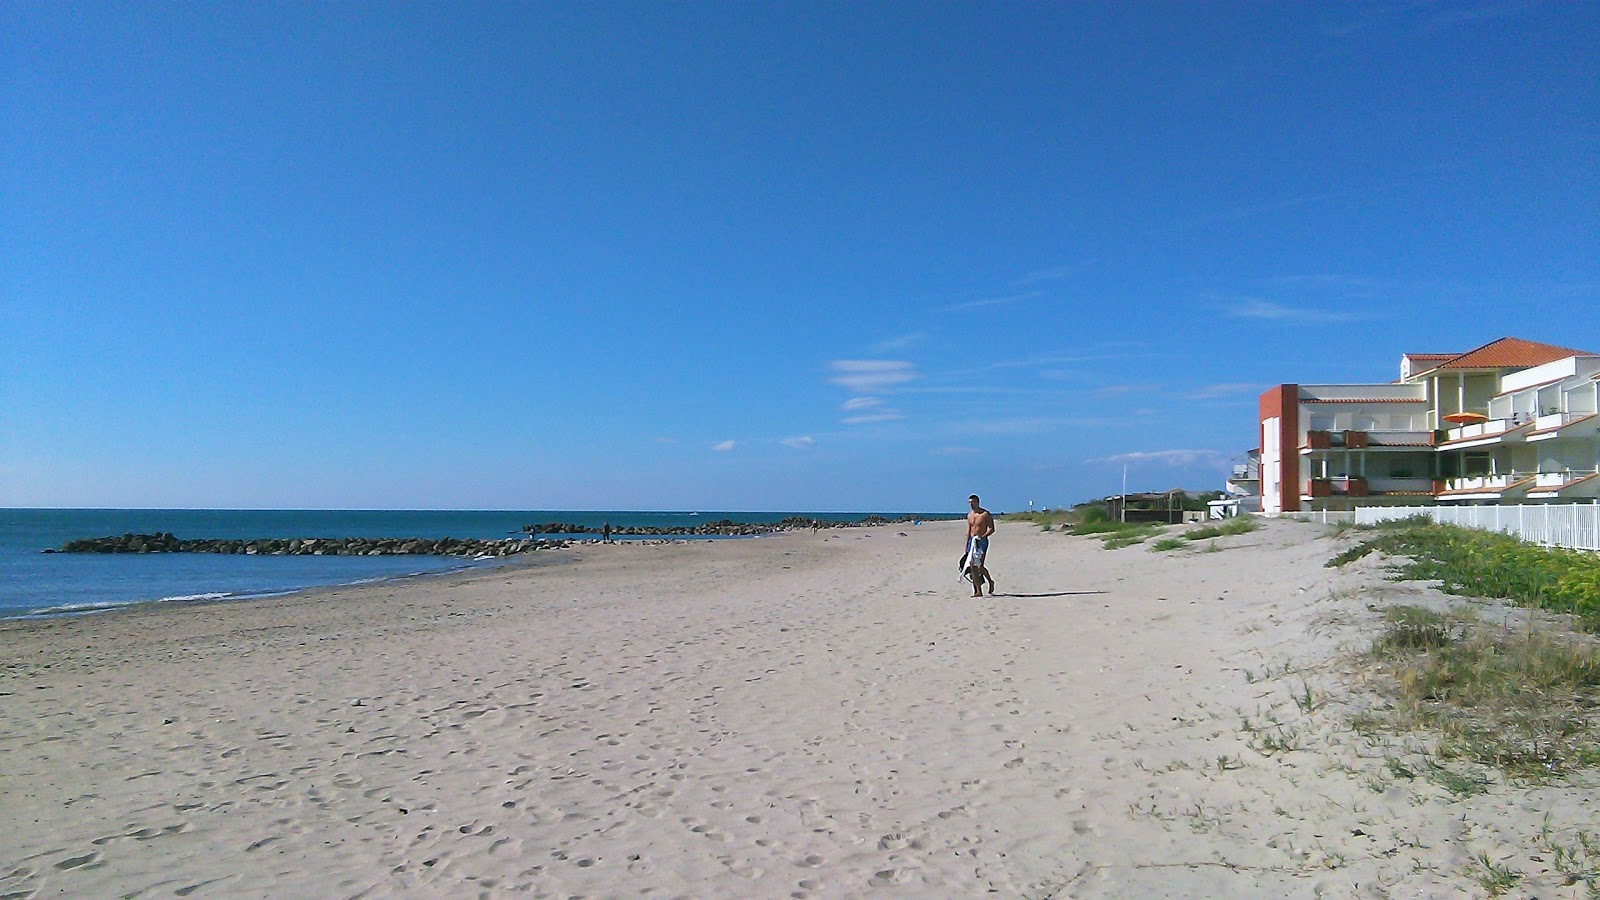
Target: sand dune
(805, 715)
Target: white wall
(1271, 459)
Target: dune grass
(1236, 525)
(1518, 700)
(1046, 519)
(1113, 535)
(1486, 564)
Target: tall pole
(1124, 503)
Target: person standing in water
(980, 524)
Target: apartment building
(1513, 421)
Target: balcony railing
(1486, 483)
(1547, 481)
(1399, 438)
(1491, 428)
(1552, 421)
(1334, 487)
(1407, 485)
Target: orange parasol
(1466, 418)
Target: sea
(38, 584)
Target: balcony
(1487, 487)
(1494, 431)
(1335, 440)
(1399, 439)
(1406, 485)
(1317, 488)
(1547, 485)
(1564, 424)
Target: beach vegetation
(1306, 700)
(1488, 564)
(1576, 859)
(1494, 878)
(1165, 544)
(1113, 534)
(1046, 519)
(1236, 525)
(1515, 699)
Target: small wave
(181, 598)
(73, 609)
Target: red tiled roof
(1431, 355)
(1567, 424)
(1510, 353)
(1365, 400)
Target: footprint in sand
(78, 862)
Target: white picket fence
(1576, 526)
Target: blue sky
(754, 256)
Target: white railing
(1552, 421)
(1572, 525)
(1325, 516)
(1483, 482)
(1399, 483)
(1490, 428)
(1401, 438)
(1547, 480)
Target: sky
(752, 256)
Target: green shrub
(1237, 525)
(1094, 514)
(1516, 700)
(1488, 564)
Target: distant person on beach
(605, 533)
(980, 524)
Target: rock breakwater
(725, 527)
(167, 543)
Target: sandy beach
(802, 715)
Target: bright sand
(805, 715)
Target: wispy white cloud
(799, 442)
(886, 415)
(1256, 308)
(1329, 284)
(1053, 274)
(1117, 390)
(987, 302)
(1174, 458)
(1226, 389)
(1023, 424)
(871, 376)
(861, 403)
(724, 447)
(899, 342)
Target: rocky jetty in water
(166, 543)
(724, 527)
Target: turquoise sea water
(36, 583)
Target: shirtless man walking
(979, 526)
